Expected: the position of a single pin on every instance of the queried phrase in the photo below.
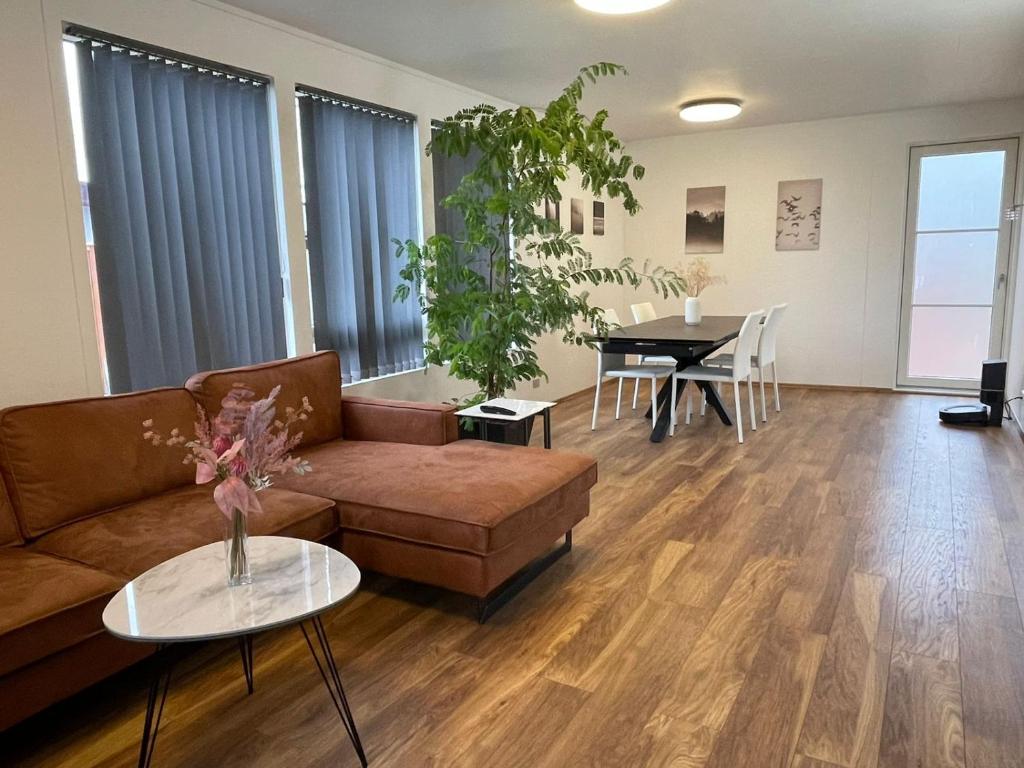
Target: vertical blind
(449, 170)
(359, 170)
(183, 211)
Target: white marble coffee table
(187, 599)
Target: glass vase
(236, 541)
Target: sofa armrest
(398, 421)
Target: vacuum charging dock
(989, 412)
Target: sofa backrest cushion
(316, 376)
(69, 460)
(9, 533)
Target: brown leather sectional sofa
(86, 505)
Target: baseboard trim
(840, 388)
(972, 393)
(575, 395)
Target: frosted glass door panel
(949, 342)
(955, 267)
(961, 191)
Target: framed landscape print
(705, 219)
(576, 216)
(598, 218)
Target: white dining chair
(764, 358)
(614, 366)
(643, 313)
(740, 371)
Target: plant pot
(505, 432)
(236, 552)
(692, 312)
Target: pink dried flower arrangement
(243, 446)
(698, 276)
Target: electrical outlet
(536, 383)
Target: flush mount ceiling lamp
(620, 7)
(710, 110)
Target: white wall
(843, 323)
(44, 344)
(1015, 345)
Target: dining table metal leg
(711, 394)
(664, 401)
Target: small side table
(187, 599)
(524, 409)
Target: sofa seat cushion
(47, 604)
(467, 495)
(132, 539)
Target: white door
(957, 257)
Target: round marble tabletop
(188, 598)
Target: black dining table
(688, 344)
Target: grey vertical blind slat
(361, 193)
(449, 170)
(182, 202)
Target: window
(361, 190)
(448, 174)
(449, 171)
(179, 186)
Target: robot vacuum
(974, 414)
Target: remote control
(498, 410)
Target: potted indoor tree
(513, 274)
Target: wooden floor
(845, 589)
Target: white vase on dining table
(692, 310)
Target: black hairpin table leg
(245, 648)
(329, 672)
(155, 704)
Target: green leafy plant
(512, 274)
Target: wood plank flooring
(844, 590)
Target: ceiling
(789, 60)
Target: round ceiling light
(620, 7)
(710, 110)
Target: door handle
(1002, 279)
